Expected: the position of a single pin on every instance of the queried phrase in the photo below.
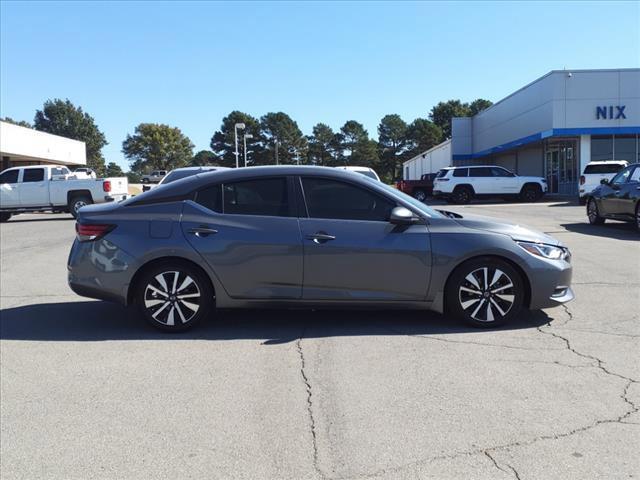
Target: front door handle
(320, 237)
(202, 231)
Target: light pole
(235, 134)
(246, 135)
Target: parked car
(84, 173)
(463, 184)
(595, 172)
(154, 177)
(308, 236)
(178, 173)
(616, 199)
(369, 172)
(49, 188)
(419, 189)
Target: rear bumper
(116, 198)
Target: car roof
(354, 168)
(186, 185)
(200, 167)
(604, 162)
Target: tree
(223, 140)
(204, 157)
(421, 136)
(157, 146)
(134, 177)
(283, 141)
(322, 146)
(20, 123)
(353, 146)
(443, 112)
(61, 117)
(392, 140)
(114, 170)
(478, 105)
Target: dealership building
(20, 146)
(550, 128)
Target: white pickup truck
(49, 187)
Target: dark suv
(617, 199)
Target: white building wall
(21, 143)
(427, 162)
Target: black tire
(420, 195)
(145, 180)
(593, 213)
(638, 217)
(530, 193)
(4, 217)
(485, 303)
(462, 195)
(175, 314)
(77, 202)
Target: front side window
(9, 177)
(635, 176)
(333, 199)
(33, 175)
(262, 196)
(500, 172)
(622, 177)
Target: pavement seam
(312, 421)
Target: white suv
(595, 172)
(462, 184)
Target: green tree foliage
(204, 157)
(354, 147)
(422, 135)
(157, 146)
(223, 140)
(392, 141)
(61, 117)
(323, 146)
(283, 141)
(20, 123)
(134, 177)
(443, 112)
(114, 170)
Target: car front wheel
(593, 214)
(486, 292)
(638, 217)
(420, 195)
(174, 296)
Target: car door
(505, 181)
(34, 191)
(247, 231)
(613, 194)
(9, 195)
(481, 179)
(628, 193)
(352, 252)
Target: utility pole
(277, 159)
(235, 134)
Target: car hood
(516, 232)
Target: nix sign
(611, 112)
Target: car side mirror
(402, 216)
(604, 181)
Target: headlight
(546, 251)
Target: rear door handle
(320, 237)
(202, 231)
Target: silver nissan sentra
(312, 237)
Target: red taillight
(582, 180)
(90, 232)
(106, 185)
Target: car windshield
(409, 199)
(178, 174)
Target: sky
(188, 64)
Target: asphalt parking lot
(89, 391)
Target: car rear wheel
(76, 203)
(174, 296)
(420, 195)
(593, 214)
(486, 292)
(462, 195)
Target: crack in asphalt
(312, 421)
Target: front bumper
(551, 284)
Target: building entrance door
(561, 167)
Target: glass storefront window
(625, 147)
(601, 147)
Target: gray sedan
(312, 237)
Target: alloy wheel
(592, 211)
(172, 297)
(78, 205)
(487, 294)
(420, 196)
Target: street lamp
(246, 135)
(235, 134)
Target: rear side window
(9, 177)
(332, 199)
(263, 196)
(604, 168)
(480, 172)
(211, 198)
(461, 172)
(33, 175)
